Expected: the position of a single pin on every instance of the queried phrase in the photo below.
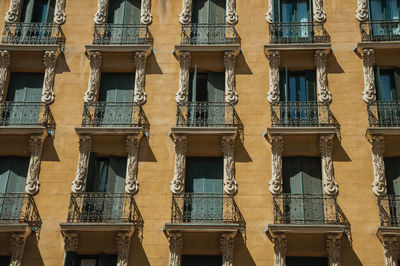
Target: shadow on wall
(138, 254)
(338, 153)
(242, 254)
(241, 154)
(145, 152)
(152, 66)
(32, 254)
(49, 152)
(333, 65)
(62, 65)
(242, 68)
(349, 257)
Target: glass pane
(392, 9)
(287, 11)
(386, 87)
(376, 10)
(302, 11)
(302, 89)
(292, 89)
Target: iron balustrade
(389, 210)
(121, 34)
(384, 114)
(300, 114)
(204, 208)
(209, 34)
(25, 114)
(307, 209)
(33, 33)
(109, 114)
(17, 208)
(380, 30)
(103, 207)
(302, 32)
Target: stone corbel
(101, 13)
(280, 247)
(391, 250)
(175, 248)
(186, 14)
(333, 249)
(49, 62)
(145, 17)
(231, 14)
(328, 177)
(184, 59)
(227, 243)
(228, 149)
(4, 65)
(378, 147)
(324, 95)
(59, 13)
(369, 93)
(70, 241)
(123, 241)
(362, 10)
(17, 245)
(276, 183)
(32, 179)
(178, 182)
(274, 62)
(85, 143)
(12, 13)
(270, 14)
(140, 78)
(94, 77)
(318, 11)
(230, 82)
(132, 147)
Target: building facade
(199, 132)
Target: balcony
(389, 214)
(384, 118)
(380, 31)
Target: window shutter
(217, 12)
(5, 168)
(310, 86)
(396, 94)
(132, 12)
(107, 260)
(27, 11)
(284, 85)
(378, 83)
(392, 172)
(91, 173)
(71, 259)
(18, 173)
(216, 87)
(277, 10)
(200, 11)
(194, 84)
(50, 11)
(291, 172)
(116, 174)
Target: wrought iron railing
(209, 34)
(103, 207)
(380, 30)
(121, 34)
(384, 114)
(300, 114)
(25, 114)
(389, 210)
(302, 32)
(203, 208)
(33, 33)
(307, 209)
(17, 208)
(108, 114)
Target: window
(73, 259)
(306, 261)
(38, 11)
(384, 9)
(208, 12)
(198, 260)
(124, 12)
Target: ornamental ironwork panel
(301, 32)
(300, 114)
(380, 30)
(121, 34)
(25, 114)
(209, 34)
(384, 114)
(389, 210)
(33, 33)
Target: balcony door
(392, 172)
(115, 104)
(385, 10)
(199, 260)
(302, 181)
(38, 11)
(122, 15)
(24, 96)
(203, 184)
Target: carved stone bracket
(270, 15)
(12, 13)
(378, 147)
(333, 249)
(17, 245)
(318, 11)
(4, 65)
(101, 13)
(132, 147)
(49, 62)
(178, 182)
(230, 82)
(145, 17)
(369, 93)
(228, 148)
(362, 10)
(70, 241)
(140, 78)
(123, 241)
(324, 95)
(184, 59)
(328, 177)
(227, 243)
(231, 14)
(391, 250)
(59, 13)
(276, 183)
(274, 62)
(175, 248)
(94, 77)
(85, 144)
(186, 14)
(280, 247)
(32, 179)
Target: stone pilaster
(274, 62)
(101, 13)
(4, 65)
(186, 14)
(324, 95)
(328, 176)
(145, 17)
(184, 59)
(12, 13)
(369, 93)
(227, 243)
(85, 144)
(228, 149)
(230, 78)
(70, 241)
(391, 250)
(378, 147)
(59, 13)
(94, 77)
(280, 247)
(175, 248)
(333, 249)
(362, 10)
(178, 182)
(270, 13)
(140, 78)
(231, 14)
(49, 62)
(17, 245)
(132, 148)
(123, 241)
(318, 11)
(32, 179)
(276, 183)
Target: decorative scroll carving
(333, 249)
(101, 13)
(280, 247)
(140, 78)
(132, 147)
(4, 64)
(328, 177)
(177, 184)
(85, 144)
(59, 13)
(184, 59)
(276, 183)
(70, 241)
(318, 11)
(12, 13)
(94, 77)
(123, 242)
(391, 250)
(228, 148)
(270, 15)
(186, 15)
(324, 96)
(175, 248)
(227, 249)
(368, 57)
(17, 245)
(378, 147)
(274, 62)
(230, 84)
(49, 62)
(362, 10)
(145, 16)
(32, 179)
(231, 14)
